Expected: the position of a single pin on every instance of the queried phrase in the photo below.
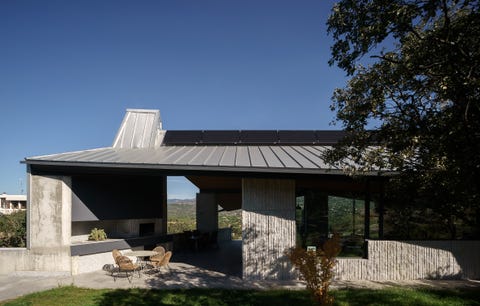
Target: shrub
(316, 267)
(13, 229)
(97, 234)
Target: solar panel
(258, 137)
(252, 137)
(182, 137)
(297, 137)
(221, 137)
(329, 137)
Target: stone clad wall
(406, 260)
(268, 227)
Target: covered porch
(287, 193)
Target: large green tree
(418, 90)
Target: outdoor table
(141, 256)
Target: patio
(214, 268)
(226, 259)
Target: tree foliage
(13, 229)
(420, 91)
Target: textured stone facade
(407, 260)
(268, 224)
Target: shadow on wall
(264, 254)
(408, 260)
(448, 259)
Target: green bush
(97, 234)
(13, 230)
(316, 268)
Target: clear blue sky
(69, 69)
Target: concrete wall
(12, 259)
(268, 227)
(116, 197)
(113, 228)
(23, 261)
(48, 230)
(49, 219)
(404, 260)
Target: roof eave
(238, 169)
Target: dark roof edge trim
(203, 168)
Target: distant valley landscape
(182, 217)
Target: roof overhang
(278, 160)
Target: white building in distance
(10, 203)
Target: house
(278, 178)
(10, 203)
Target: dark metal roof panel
(227, 158)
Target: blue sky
(70, 69)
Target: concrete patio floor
(219, 268)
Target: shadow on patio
(225, 259)
(215, 267)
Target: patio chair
(164, 262)
(157, 258)
(126, 265)
(115, 254)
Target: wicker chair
(116, 253)
(164, 262)
(157, 258)
(114, 268)
(126, 265)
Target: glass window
(319, 215)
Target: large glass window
(319, 216)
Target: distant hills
(182, 217)
(181, 201)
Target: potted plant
(97, 234)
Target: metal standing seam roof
(138, 129)
(142, 143)
(261, 158)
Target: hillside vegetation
(182, 217)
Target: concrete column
(49, 223)
(207, 212)
(268, 228)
